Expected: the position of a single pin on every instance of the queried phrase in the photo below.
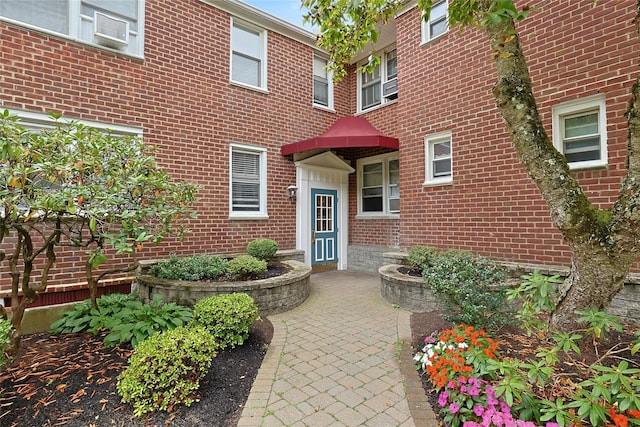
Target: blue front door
(324, 231)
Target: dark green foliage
(124, 316)
(193, 268)
(264, 249)
(461, 281)
(421, 257)
(5, 342)
(137, 321)
(244, 266)
(227, 317)
(83, 317)
(166, 369)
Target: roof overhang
(346, 132)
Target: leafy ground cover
(70, 380)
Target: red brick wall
(180, 95)
(573, 50)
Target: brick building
(238, 101)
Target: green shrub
(244, 266)
(137, 321)
(193, 268)
(166, 369)
(83, 317)
(5, 331)
(264, 249)
(227, 317)
(461, 281)
(421, 257)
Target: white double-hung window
(378, 185)
(248, 181)
(580, 131)
(380, 86)
(112, 24)
(438, 158)
(248, 55)
(322, 84)
(437, 24)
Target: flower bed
(271, 295)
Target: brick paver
(339, 359)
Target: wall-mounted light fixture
(291, 191)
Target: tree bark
(604, 244)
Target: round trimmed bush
(166, 369)
(264, 249)
(227, 317)
(244, 266)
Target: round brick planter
(407, 292)
(272, 295)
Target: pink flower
(443, 398)
(451, 384)
(505, 408)
(491, 400)
(473, 391)
(463, 389)
(454, 408)
(550, 424)
(478, 410)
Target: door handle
(313, 236)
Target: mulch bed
(70, 380)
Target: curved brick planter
(272, 295)
(406, 291)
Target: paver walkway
(336, 361)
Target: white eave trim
(265, 20)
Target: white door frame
(324, 171)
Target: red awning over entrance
(347, 132)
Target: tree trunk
(604, 244)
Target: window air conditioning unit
(390, 88)
(110, 31)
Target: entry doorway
(324, 229)
(322, 216)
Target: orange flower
(634, 413)
(620, 420)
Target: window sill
(252, 217)
(250, 87)
(425, 42)
(587, 166)
(377, 216)
(428, 184)
(323, 108)
(377, 107)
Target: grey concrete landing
(336, 361)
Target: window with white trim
(580, 131)
(322, 83)
(248, 55)
(247, 192)
(378, 185)
(116, 25)
(437, 24)
(380, 86)
(438, 158)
